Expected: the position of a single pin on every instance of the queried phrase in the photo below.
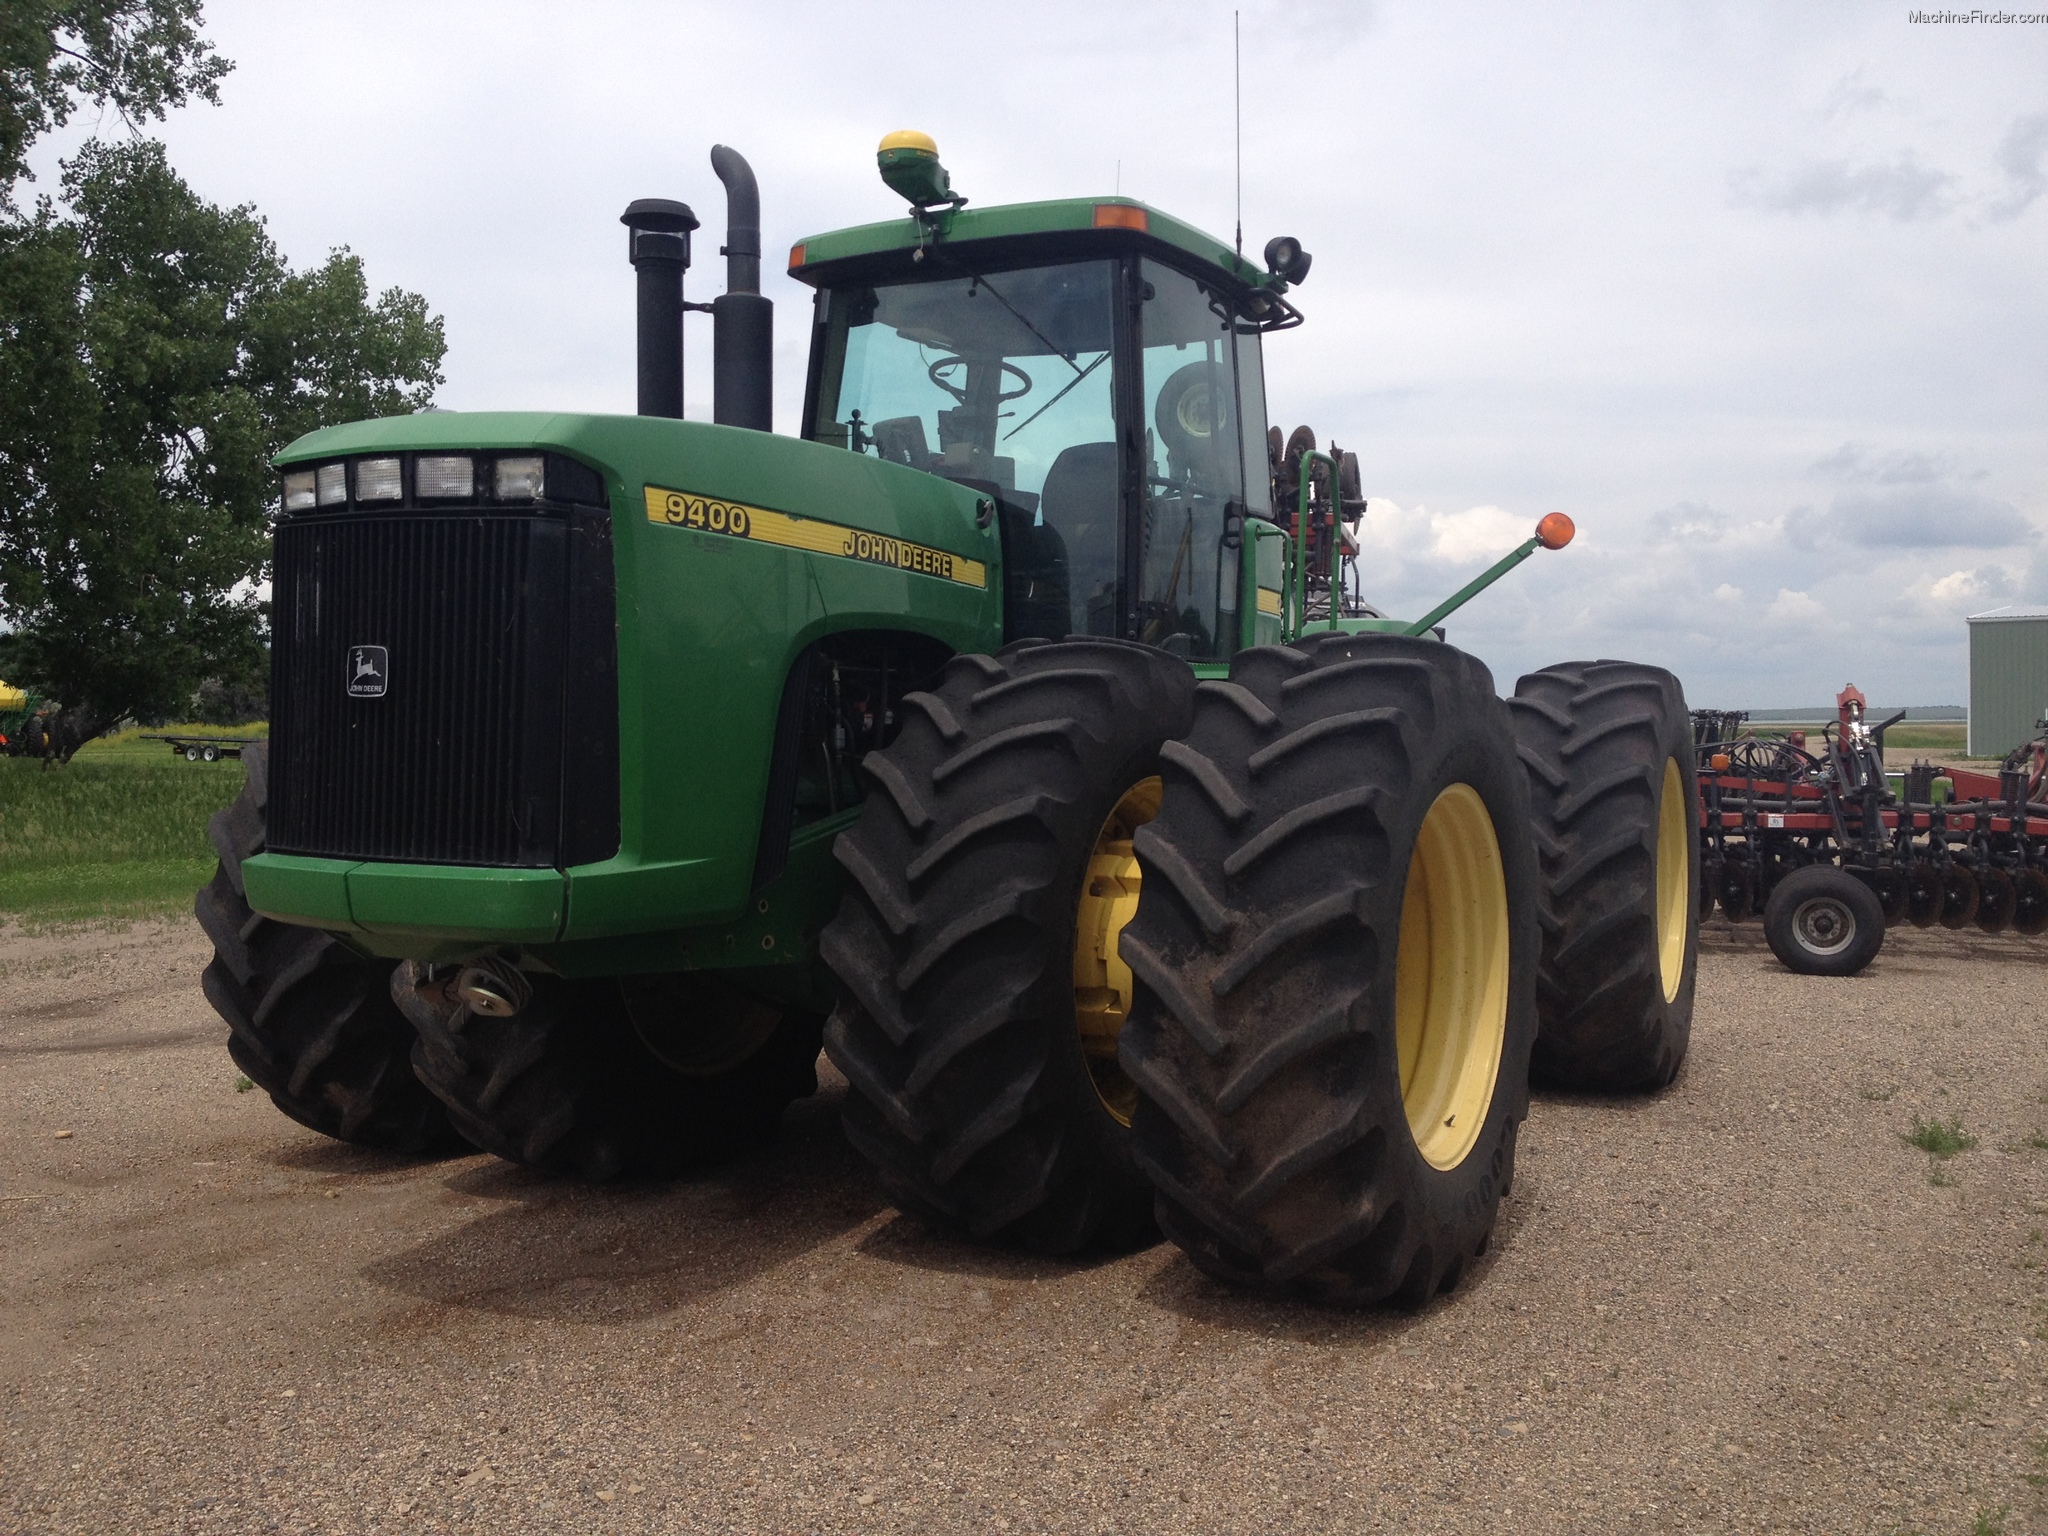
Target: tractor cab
(1093, 368)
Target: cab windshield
(1008, 381)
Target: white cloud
(1796, 610)
(1530, 290)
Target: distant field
(119, 833)
(1935, 735)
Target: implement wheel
(570, 1084)
(1996, 898)
(309, 1020)
(1925, 893)
(1958, 896)
(976, 947)
(1335, 956)
(1737, 888)
(1823, 921)
(2030, 902)
(1608, 750)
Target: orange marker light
(796, 257)
(1121, 216)
(1555, 530)
(1718, 762)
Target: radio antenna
(1237, 98)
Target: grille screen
(455, 754)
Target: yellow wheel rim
(1102, 982)
(1451, 977)
(1674, 876)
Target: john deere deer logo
(369, 671)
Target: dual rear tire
(1330, 967)
(1607, 748)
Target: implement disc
(1996, 897)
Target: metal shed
(2008, 677)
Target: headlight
(333, 484)
(519, 479)
(298, 491)
(379, 480)
(451, 477)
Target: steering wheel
(960, 395)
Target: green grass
(1939, 1138)
(111, 836)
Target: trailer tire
(1337, 941)
(309, 1020)
(568, 1084)
(1823, 921)
(959, 1020)
(1608, 749)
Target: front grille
(486, 624)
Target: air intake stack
(659, 245)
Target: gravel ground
(1745, 1304)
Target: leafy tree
(155, 351)
(139, 56)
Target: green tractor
(1017, 730)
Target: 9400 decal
(680, 509)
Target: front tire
(1613, 794)
(310, 1021)
(569, 1084)
(1336, 957)
(1823, 921)
(979, 1008)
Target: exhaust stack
(743, 321)
(658, 243)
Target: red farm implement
(1830, 849)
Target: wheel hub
(1674, 877)
(1824, 925)
(1102, 982)
(1451, 976)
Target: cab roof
(1091, 225)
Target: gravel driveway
(1745, 1304)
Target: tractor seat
(1079, 501)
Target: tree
(139, 56)
(155, 352)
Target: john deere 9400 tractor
(1017, 730)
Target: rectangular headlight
(519, 479)
(379, 480)
(449, 476)
(298, 491)
(333, 484)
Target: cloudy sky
(1754, 292)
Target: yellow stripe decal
(680, 509)
(1269, 602)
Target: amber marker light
(1718, 762)
(1555, 530)
(796, 256)
(1121, 216)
